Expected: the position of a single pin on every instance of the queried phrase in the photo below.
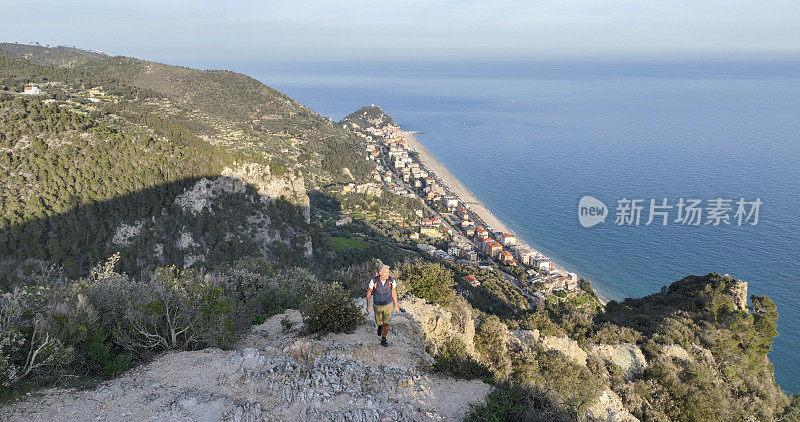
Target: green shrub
(102, 354)
(271, 302)
(491, 340)
(503, 404)
(454, 360)
(174, 309)
(430, 281)
(330, 310)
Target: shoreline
(454, 185)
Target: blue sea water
(530, 139)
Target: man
(383, 288)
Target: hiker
(382, 289)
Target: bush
(515, 403)
(26, 345)
(330, 310)
(491, 340)
(172, 309)
(502, 404)
(455, 360)
(104, 355)
(430, 281)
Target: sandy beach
(452, 184)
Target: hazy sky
(415, 29)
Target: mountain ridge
(213, 180)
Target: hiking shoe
(384, 343)
(379, 330)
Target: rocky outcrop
(565, 345)
(289, 186)
(608, 407)
(738, 292)
(126, 232)
(626, 356)
(676, 351)
(438, 325)
(275, 374)
(522, 339)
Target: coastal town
(457, 227)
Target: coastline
(454, 185)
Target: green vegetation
(454, 360)
(330, 310)
(340, 243)
(430, 281)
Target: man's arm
(369, 296)
(394, 298)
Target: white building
(507, 239)
(31, 90)
(541, 262)
(450, 202)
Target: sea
(530, 139)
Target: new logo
(591, 211)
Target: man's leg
(387, 318)
(378, 320)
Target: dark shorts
(383, 313)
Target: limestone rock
(609, 408)
(565, 345)
(626, 356)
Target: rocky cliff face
(275, 374)
(290, 186)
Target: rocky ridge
(277, 374)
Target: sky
(305, 30)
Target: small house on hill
(472, 280)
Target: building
(443, 255)
(526, 255)
(541, 262)
(471, 256)
(449, 202)
(31, 90)
(506, 257)
(572, 281)
(507, 239)
(492, 248)
(472, 280)
(469, 230)
(426, 248)
(430, 232)
(344, 219)
(481, 233)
